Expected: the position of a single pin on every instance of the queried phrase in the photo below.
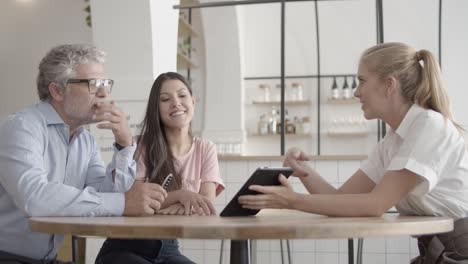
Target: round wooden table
(269, 224)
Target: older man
(50, 165)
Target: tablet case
(262, 176)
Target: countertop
(278, 157)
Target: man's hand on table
(143, 198)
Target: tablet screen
(262, 176)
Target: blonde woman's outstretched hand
(282, 197)
(298, 161)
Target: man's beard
(78, 116)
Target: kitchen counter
(277, 157)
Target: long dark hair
(158, 157)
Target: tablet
(262, 176)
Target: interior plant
(87, 9)
(185, 46)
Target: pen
(167, 181)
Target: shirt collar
(408, 120)
(53, 118)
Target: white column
(224, 92)
(455, 56)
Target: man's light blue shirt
(43, 173)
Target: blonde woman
(420, 167)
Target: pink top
(198, 165)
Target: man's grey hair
(59, 65)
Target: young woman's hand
(197, 203)
(282, 197)
(298, 161)
(173, 209)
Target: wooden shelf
(186, 29)
(189, 2)
(348, 134)
(184, 62)
(352, 100)
(302, 102)
(278, 135)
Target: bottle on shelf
(272, 121)
(297, 93)
(278, 92)
(346, 89)
(278, 122)
(289, 125)
(334, 89)
(306, 125)
(287, 97)
(262, 128)
(265, 97)
(298, 124)
(287, 93)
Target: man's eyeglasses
(95, 84)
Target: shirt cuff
(112, 204)
(124, 168)
(128, 149)
(124, 156)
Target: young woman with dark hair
(167, 146)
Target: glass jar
(297, 93)
(262, 128)
(299, 127)
(278, 92)
(265, 92)
(272, 122)
(290, 127)
(306, 125)
(278, 122)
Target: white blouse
(429, 145)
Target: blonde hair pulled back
(418, 73)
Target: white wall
(140, 38)
(346, 29)
(416, 24)
(455, 56)
(28, 29)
